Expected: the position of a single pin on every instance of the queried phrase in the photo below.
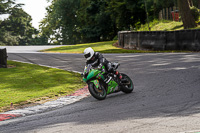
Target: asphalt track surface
(166, 97)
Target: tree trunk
(190, 3)
(186, 15)
(199, 4)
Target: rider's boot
(122, 80)
(118, 75)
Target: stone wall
(161, 40)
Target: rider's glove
(100, 66)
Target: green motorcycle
(101, 84)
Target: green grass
(103, 47)
(164, 25)
(24, 83)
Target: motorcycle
(101, 84)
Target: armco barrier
(160, 40)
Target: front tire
(127, 86)
(98, 93)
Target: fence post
(167, 13)
(164, 17)
(160, 15)
(3, 58)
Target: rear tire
(98, 93)
(127, 87)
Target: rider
(96, 59)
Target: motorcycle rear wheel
(98, 93)
(126, 87)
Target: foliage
(98, 23)
(19, 25)
(155, 6)
(17, 28)
(38, 39)
(195, 13)
(71, 22)
(81, 21)
(9, 39)
(6, 6)
(61, 22)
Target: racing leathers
(99, 60)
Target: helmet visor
(87, 55)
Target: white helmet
(88, 53)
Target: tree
(9, 39)
(190, 2)
(186, 16)
(5, 6)
(98, 25)
(61, 23)
(196, 3)
(126, 13)
(199, 4)
(17, 28)
(79, 21)
(19, 24)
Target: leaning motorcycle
(101, 84)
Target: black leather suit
(98, 59)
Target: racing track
(166, 97)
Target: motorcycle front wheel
(98, 93)
(126, 84)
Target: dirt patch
(11, 66)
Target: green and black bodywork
(100, 83)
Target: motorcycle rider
(96, 59)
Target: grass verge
(103, 47)
(164, 25)
(23, 84)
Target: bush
(195, 13)
(10, 40)
(115, 38)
